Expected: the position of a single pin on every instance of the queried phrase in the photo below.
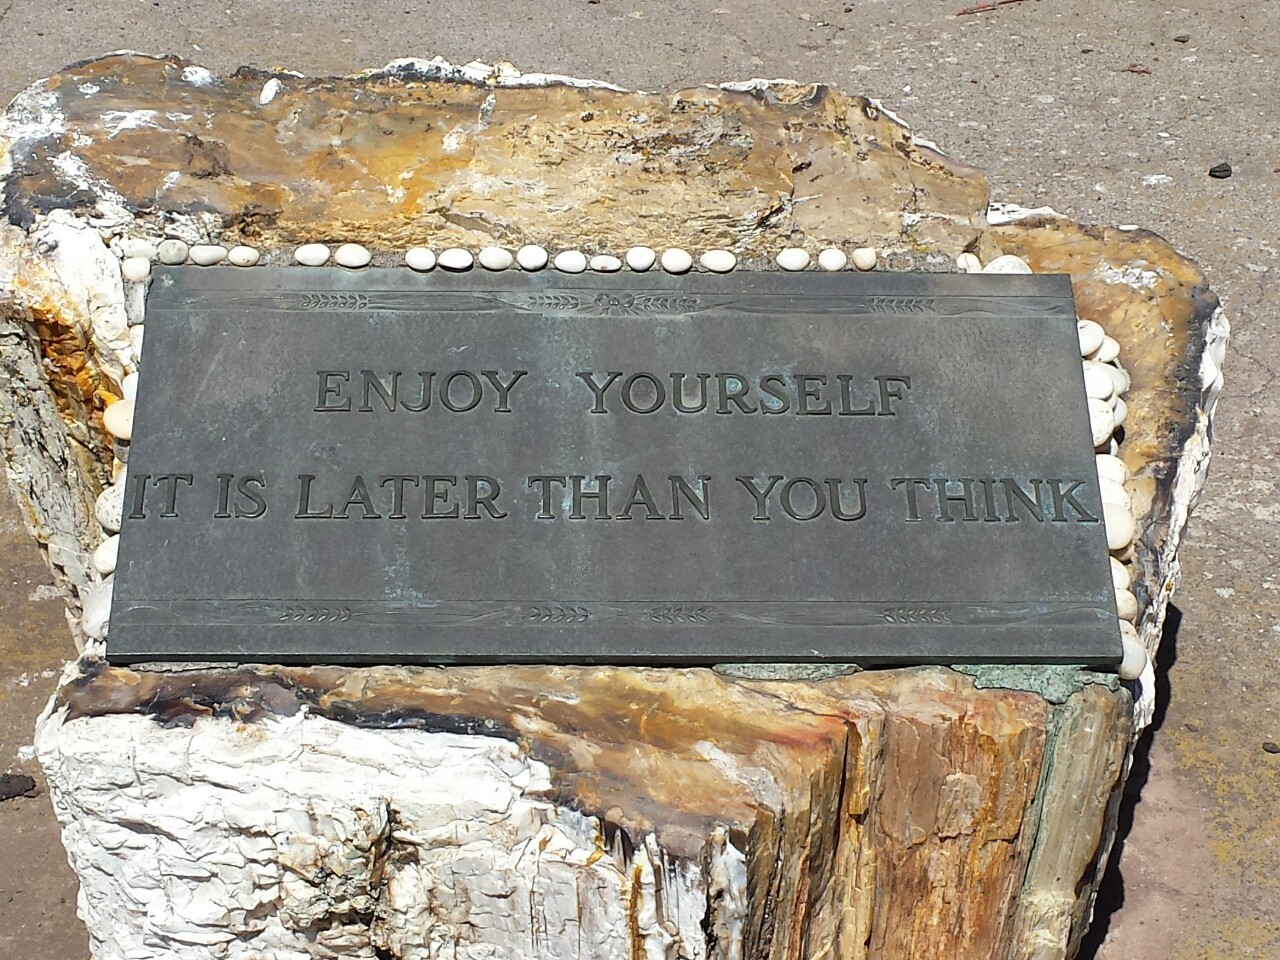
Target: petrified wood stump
(525, 812)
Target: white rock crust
(312, 838)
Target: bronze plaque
(382, 466)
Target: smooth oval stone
(352, 255)
(1101, 421)
(1113, 492)
(136, 269)
(1109, 350)
(495, 258)
(792, 258)
(1121, 378)
(312, 254)
(1134, 658)
(138, 247)
(1126, 605)
(242, 256)
(718, 261)
(118, 419)
(455, 258)
(109, 507)
(1121, 412)
(1112, 468)
(1007, 264)
(641, 259)
(135, 341)
(1090, 335)
(532, 257)
(832, 260)
(420, 259)
(96, 612)
(106, 554)
(172, 252)
(864, 258)
(1120, 526)
(676, 260)
(604, 263)
(570, 261)
(117, 469)
(207, 254)
(1121, 576)
(129, 386)
(969, 263)
(1097, 381)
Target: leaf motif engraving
(299, 613)
(680, 613)
(908, 615)
(557, 613)
(911, 305)
(335, 301)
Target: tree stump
(555, 812)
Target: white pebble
(135, 269)
(792, 258)
(1112, 468)
(864, 258)
(118, 419)
(532, 257)
(129, 386)
(1121, 576)
(269, 91)
(495, 258)
(718, 261)
(96, 610)
(570, 261)
(420, 259)
(604, 263)
(1098, 382)
(1119, 524)
(137, 247)
(1126, 605)
(832, 260)
(1121, 377)
(1113, 492)
(352, 255)
(106, 554)
(641, 259)
(1121, 412)
(117, 469)
(207, 254)
(109, 507)
(1007, 264)
(455, 258)
(1091, 335)
(1109, 350)
(242, 256)
(135, 341)
(969, 263)
(172, 252)
(1101, 421)
(1134, 659)
(312, 254)
(676, 260)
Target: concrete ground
(1107, 110)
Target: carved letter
(224, 495)
(846, 409)
(139, 497)
(733, 388)
(598, 390)
(888, 393)
(397, 492)
(774, 386)
(504, 389)
(761, 496)
(359, 495)
(328, 390)
(304, 501)
(253, 496)
(547, 483)
(424, 398)
(819, 498)
(477, 391)
(600, 495)
(435, 496)
(945, 500)
(170, 508)
(677, 392)
(371, 379)
(628, 397)
(912, 483)
(476, 499)
(1064, 498)
(1012, 491)
(640, 497)
(808, 393)
(837, 506)
(699, 501)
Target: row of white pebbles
(1105, 379)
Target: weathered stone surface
(539, 812)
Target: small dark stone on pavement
(1220, 171)
(18, 785)
(1271, 746)
(1182, 38)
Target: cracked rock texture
(555, 812)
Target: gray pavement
(1097, 108)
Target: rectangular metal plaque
(382, 466)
